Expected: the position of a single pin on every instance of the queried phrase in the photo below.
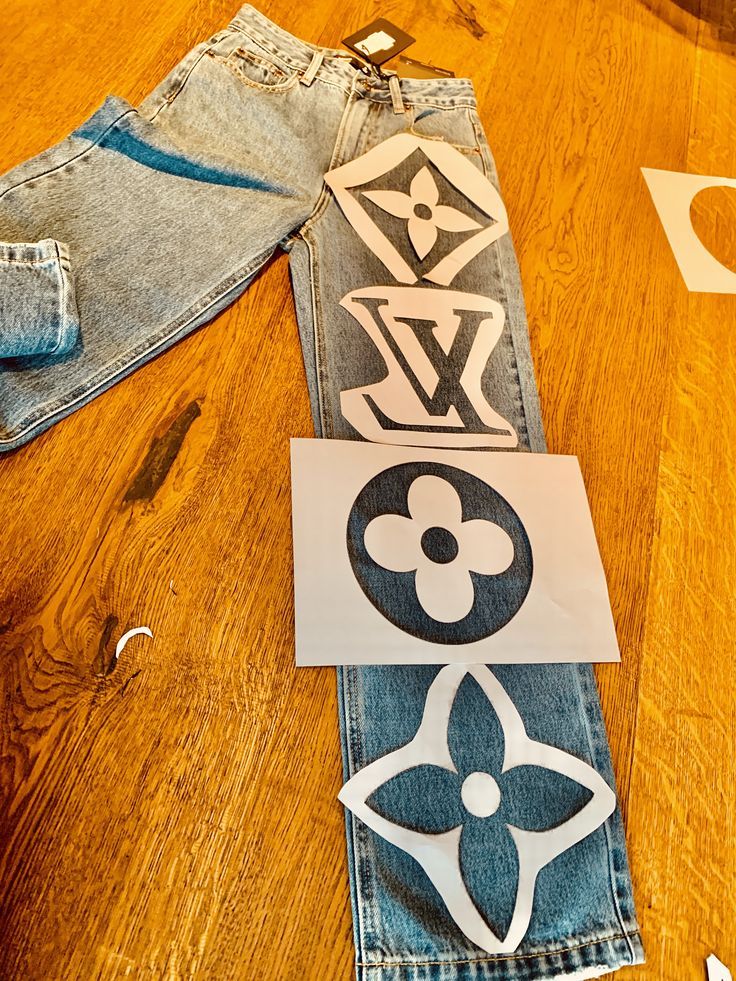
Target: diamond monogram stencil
(420, 205)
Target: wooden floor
(174, 816)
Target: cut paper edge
(439, 854)
(672, 193)
(717, 970)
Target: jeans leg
(582, 922)
(146, 221)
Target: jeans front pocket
(255, 69)
(168, 89)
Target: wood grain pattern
(174, 815)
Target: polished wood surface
(173, 815)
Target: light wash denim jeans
(141, 226)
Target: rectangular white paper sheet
(417, 556)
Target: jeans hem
(28, 252)
(68, 311)
(583, 960)
(206, 308)
(28, 333)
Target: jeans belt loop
(395, 90)
(314, 65)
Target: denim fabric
(168, 211)
(38, 307)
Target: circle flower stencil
(439, 552)
(441, 548)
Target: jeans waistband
(336, 65)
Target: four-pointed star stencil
(439, 854)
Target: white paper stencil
(673, 193)
(439, 854)
(419, 556)
(429, 396)
(420, 206)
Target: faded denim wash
(38, 309)
(146, 222)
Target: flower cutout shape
(523, 815)
(439, 547)
(422, 211)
